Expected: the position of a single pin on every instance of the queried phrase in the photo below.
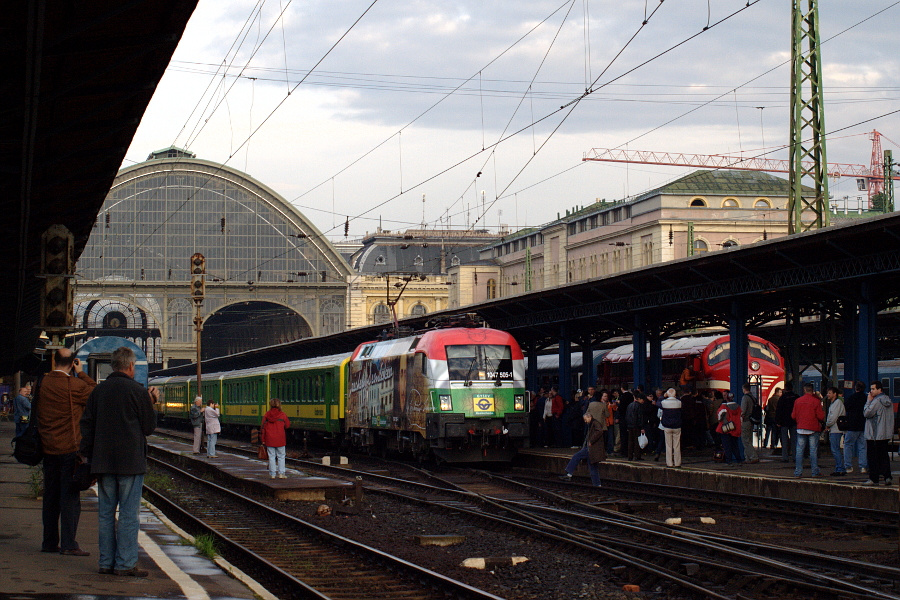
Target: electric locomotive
(457, 393)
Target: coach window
(696, 202)
(730, 203)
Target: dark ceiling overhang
(79, 77)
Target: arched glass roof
(160, 212)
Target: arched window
(332, 314)
(762, 203)
(491, 289)
(730, 203)
(179, 324)
(698, 202)
(700, 246)
(418, 310)
(381, 314)
(729, 243)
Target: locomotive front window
(719, 353)
(761, 351)
(477, 362)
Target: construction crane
(873, 174)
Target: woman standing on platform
(272, 435)
(213, 427)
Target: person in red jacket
(272, 435)
(809, 415)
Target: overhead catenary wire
(254, 131)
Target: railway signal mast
(57, 267)
(198, 292)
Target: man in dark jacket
(854, 435)
(114, 428)
(787, 424)
(64, 392)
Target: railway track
(723, 563)
(634, 549)
(852, 519)
(297, 558)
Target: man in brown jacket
(63, 394)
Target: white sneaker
(282, 476)
(863, 470)
(849, 470)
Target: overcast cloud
(384, 94)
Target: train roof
(550, 362)
(683, 347)
(294, 365)
(435, 341)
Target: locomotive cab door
(99, 365)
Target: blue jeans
(119, 542)
(211, 444)
(276, 454)
(835, 439)
(855, 445)
(584, 454)
(731, 446)
(803, 440)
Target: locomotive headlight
(446, 403)
(754, 365)
(519, 402)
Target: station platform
(253, 474)
(770, 477)
(176, 570)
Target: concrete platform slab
(770, 477)
(252, 473)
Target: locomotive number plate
(483, 404)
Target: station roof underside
(810, 273)
(79, 77)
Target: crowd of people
(637, 425)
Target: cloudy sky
(350, 108)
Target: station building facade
(271, 276)
(415, 270)
(705, 211)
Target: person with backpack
(751, 417)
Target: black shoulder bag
(27, 448)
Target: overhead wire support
(807, 140)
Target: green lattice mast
(807, 209)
